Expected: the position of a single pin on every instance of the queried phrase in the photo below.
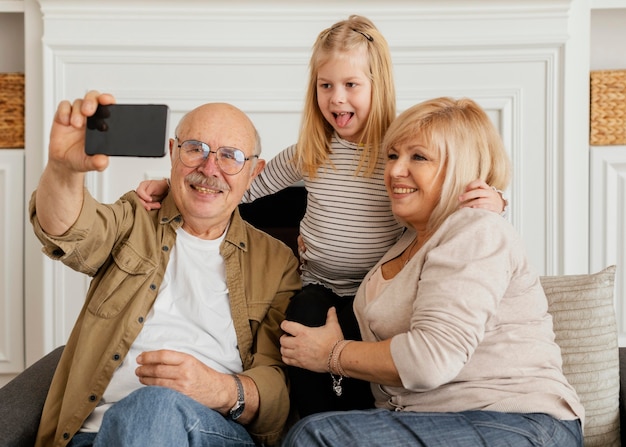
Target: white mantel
(525, 61)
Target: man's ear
(260, 165)
(172, 140)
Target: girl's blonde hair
(468, 144)
(313, 146)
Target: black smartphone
(131, 130)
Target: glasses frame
(207, 150)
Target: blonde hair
(467, 142)
(313, 146)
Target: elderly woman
(457, 340)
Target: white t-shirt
(191, 314)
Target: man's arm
(59, 196)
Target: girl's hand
(309, 347)
(479, 194)
(301, 249)
(152, 192)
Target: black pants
(312, 392)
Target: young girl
(348, 224)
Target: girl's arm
(152, 192)
(479, 194)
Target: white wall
(11, 42)
(608, 37)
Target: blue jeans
(386, 428)
(156, 416)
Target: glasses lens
(230, 160)
(193, 153)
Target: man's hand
(67, 137)
(187, 375)
(59, 196)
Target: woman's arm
(320, 349)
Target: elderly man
(178, 340)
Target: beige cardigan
(470, 324)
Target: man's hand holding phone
(66, 152)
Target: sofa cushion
(585, 327)
(22, 400)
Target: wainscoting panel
(608, 221)
(11, 261)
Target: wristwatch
(240, 405)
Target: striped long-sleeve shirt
(348, 224)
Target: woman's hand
(479, 194)
(152, 192)
(309, 347)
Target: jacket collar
(236, 234)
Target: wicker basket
(608, 107)
(11, 110)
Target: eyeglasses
(230, 160)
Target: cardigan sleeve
(466, 268)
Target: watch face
(239, 406)
(237, 410)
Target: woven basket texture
(11, 110)
(608, 108)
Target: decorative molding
(11, 261)
(608, 221)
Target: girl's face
(413, 181)
(344, 92)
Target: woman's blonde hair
(313, 146)
(467, 142)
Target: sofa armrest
(622, 393)
(22, 399)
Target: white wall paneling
(512, 56)
(11, 260)
(608, 220)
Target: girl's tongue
(343, 118)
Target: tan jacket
(126, 250)
(469, 325)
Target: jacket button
(165, 248)
(66, 436)
(92, 397)
(140, 319)
(242, 244)
(58, 252)
(116, 357)
(152, 286)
